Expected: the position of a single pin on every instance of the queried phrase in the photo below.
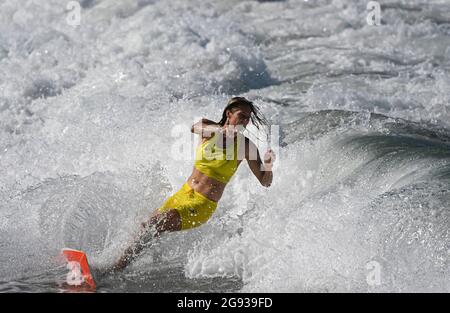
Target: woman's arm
(205, 128)
(262, 171)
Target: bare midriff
(207, 186)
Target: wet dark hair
(257, 117)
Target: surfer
(217, 158)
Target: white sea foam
(87, 113)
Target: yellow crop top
(215, 162)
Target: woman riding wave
(217, 158)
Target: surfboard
(80, 274)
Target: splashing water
(360, 198)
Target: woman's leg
(158, 223)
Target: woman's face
(240, 116)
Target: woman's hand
(269, 158)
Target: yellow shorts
(194, 208)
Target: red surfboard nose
(80, 272)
